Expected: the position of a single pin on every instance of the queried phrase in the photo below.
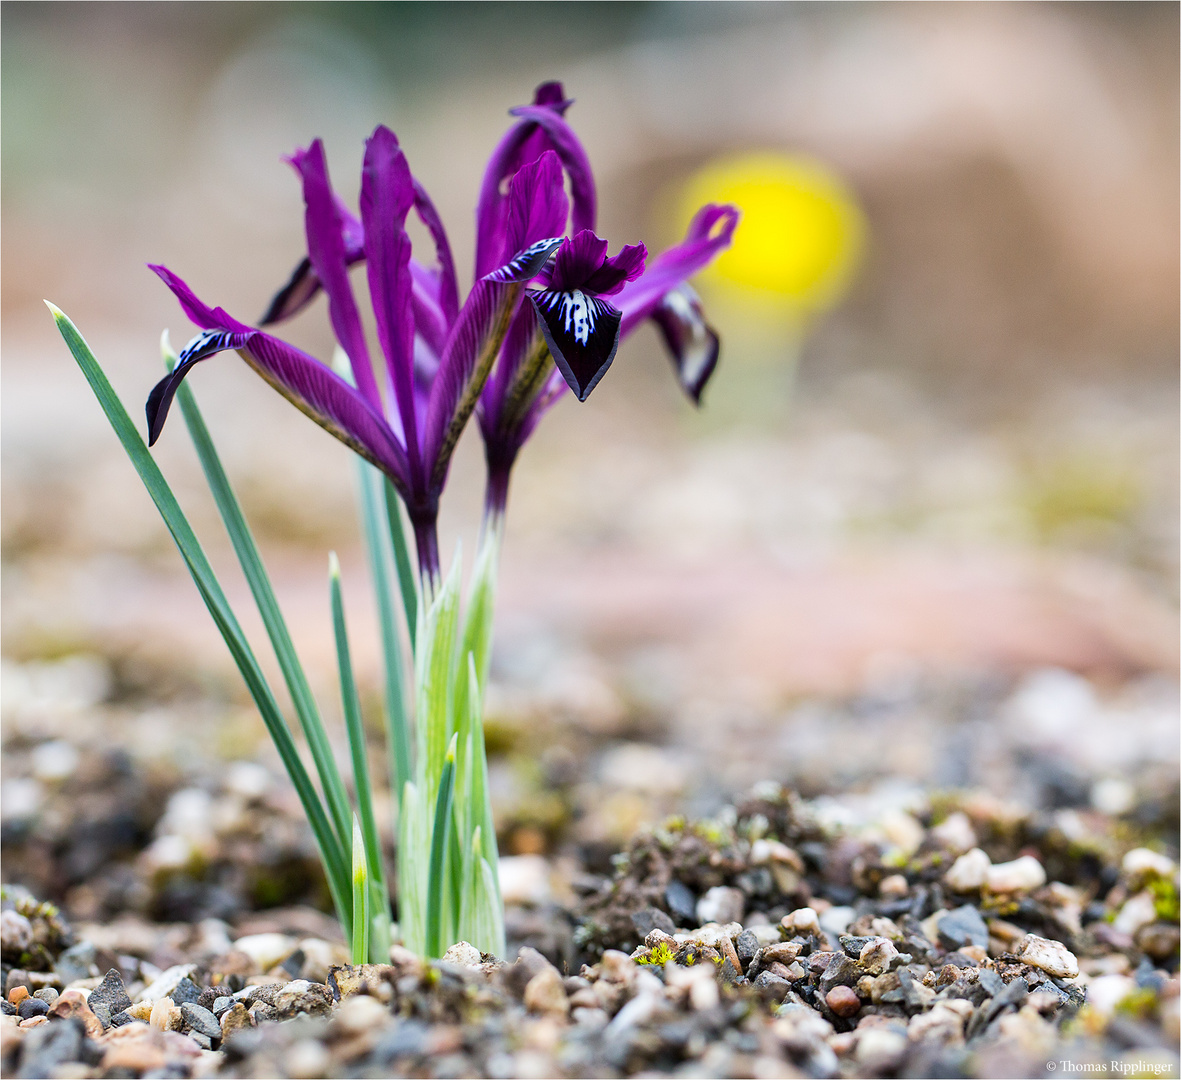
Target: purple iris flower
(509, 359)
(436, 355)
(575, 325)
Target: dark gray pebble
(682, 903)
(841, 971)
(652, 918)
(186, 991)
(121, 1018)
(201, 1020)
(111, 994)
(7, 1007)
(963, 926)
(854, 945)
(31, 1007)
(772, 987)
(746, 945)
(50, 1045)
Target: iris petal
(582, 332)
(310, 385)
(691, 341)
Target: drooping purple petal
(312, 386)
(540, 127)
(326, 250)
(692, 342)
(708, 235)
(387, 194)
(582, 332)
(304, 283)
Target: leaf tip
(333, 567)
(56, 312)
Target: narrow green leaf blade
(360, 897)
(357, 747)
(406, 577)
(440, 841)
(377, 543)
(268, 606)
(331, 853)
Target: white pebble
(1107, 991)
(877, 954)
(463, 953)
(307, 1059)
(266, 950)
(248, 779)
(1138, 911)
(1144, 862)
(803, 921)
(524, 879)
(1052, 957)
(53, 761)
(721, 904)
(880, 1049)
(1021, 875)
(836, 920)
(969, 872)
(1113, 796)
(956, 833)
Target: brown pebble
(843, 1000)
(17, 994)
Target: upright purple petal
(576, 260)
(540, 127)
(617, 270)
(387, 194)
(448, 295)
(537, 205)
(326, 249)
(708, 235)
(312, 386)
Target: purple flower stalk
(439, 360)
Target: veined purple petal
(582, 332)
(387, 194)
(312, 386)
(326, 249)
(448, 293)
(537, 206)
(692, 342)
(527, 264)
(540, 127)
(708, 235)
(583, 264)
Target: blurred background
(921, 535)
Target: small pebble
(17, 994)
(1019, 876)
(969, 872)
(1052, 957)
(877, 954)
(48, 994)
(31, 1007)
(843, 1000)
(462, 953)
(721, 904)
(893, 887)
(200, 1019)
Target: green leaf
(376, 541)
(477, 625)
(440, 841)
(435, 664)
(359, 751)
(268, 607)
(402, 560)
(360, 897)
(412, 869)
(331, 853)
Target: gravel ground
(781, 937)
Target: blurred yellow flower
(800, 238)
